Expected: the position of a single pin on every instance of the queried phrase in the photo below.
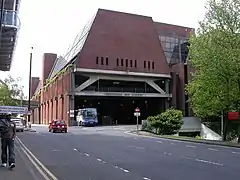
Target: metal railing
(10, 18)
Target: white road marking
(134, 138)
(189, 146)
(30, 154)
(55, 150)
(125, 170)
(137, 147)
(172, 143)
(75, 149)
(236, 152)
(145, 178)
(86, 154)
(99, 160)
(209, 162)
(205, 161)
(159, 142)
(166, 153)
(211, 149)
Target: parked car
(57, 126)
(19, 124)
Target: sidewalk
(24, 169)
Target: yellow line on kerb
(36, 162)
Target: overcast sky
(51, 25)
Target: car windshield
(88, 114)
(60, 122)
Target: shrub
(167, 122)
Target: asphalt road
(108, 153)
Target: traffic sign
(137, 114)
(137, 110)
(13, 109)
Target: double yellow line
(37, 164)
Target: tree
(215, 55)
(11, 92)
(167, 122)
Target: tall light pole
(1, 19)
(29, 87)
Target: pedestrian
(7, 141)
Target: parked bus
(87, 117)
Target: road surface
(109, 153)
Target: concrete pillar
(50, 111)
(54, 109)
(60, 107)
(47, 113)
(167, 90)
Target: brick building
(117, 62)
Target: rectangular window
(121, 62)
(96, 60)
(106, 60)
(126, 62)
(135, 63)
(117, 62)
(149, 64)
(144, 65)
(102, 61)
(131, 63)
(153, 65)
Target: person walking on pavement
(7, 141)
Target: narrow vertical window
(97, 60)
(117, 62)
(153, 65)
(149, 64)
(106, 60)
(144, 65)
(126, 62)
(102, 61)
(135, 63)
(131, 63)
(121, 62)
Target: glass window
(97, 60)
(102, 61)
(153, 65)
(117, 62)
(168, 39)
(106, 60)
(135, 63)
(168, 45)
(131, 63)
(121, 62)
(144, 65)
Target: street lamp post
(1, 18)
(30, 83)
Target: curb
(187, 140)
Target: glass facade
(175, 48)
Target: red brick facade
(113, 37)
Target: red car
(57, 126)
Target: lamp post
(29, 87)
(1, 18)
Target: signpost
(14, 110)
(137, 114)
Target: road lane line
(236, 152)
(33, 162)
(172, 143)
(204, 161)
(211, 149)
(86, 154)
(99, 160)
(36, 160)
(145, 178)
(189, 146)
(159, 142)
(19, 149)
(166, 153)
(125, 170)
(137, 147)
